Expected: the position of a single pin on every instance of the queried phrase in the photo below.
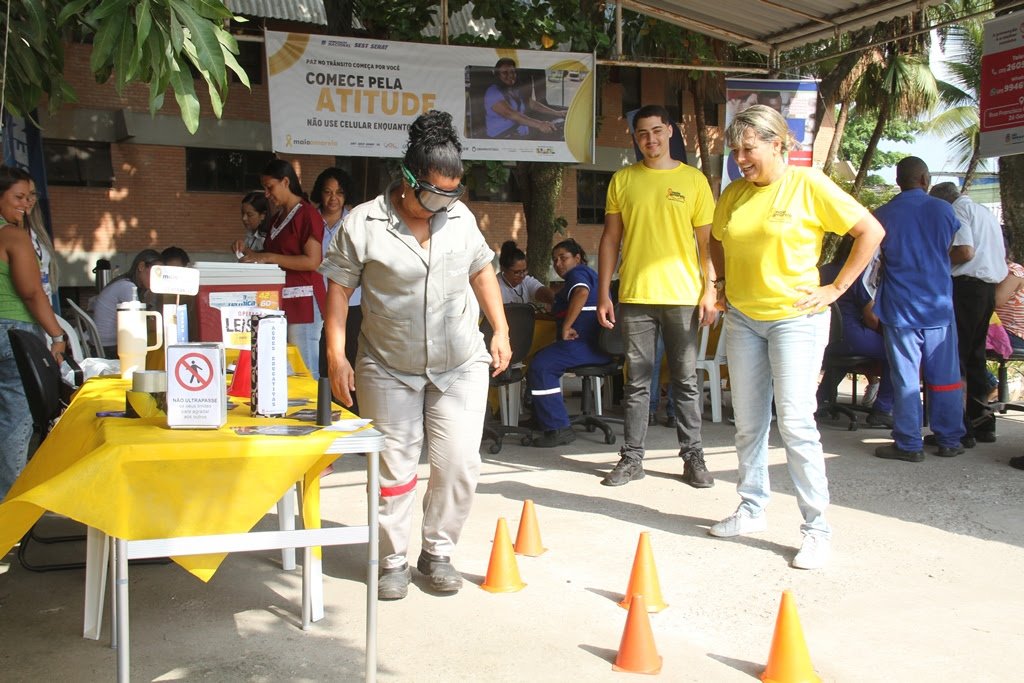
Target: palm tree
(898, 82)
(959, 121)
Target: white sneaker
(870, 394)
(814, 552)
(739, 523)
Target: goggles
(431, 198)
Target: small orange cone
(644, 577)
(241, 381)
(637, 651)
(502, 571)
(528, 539)
(789, 661)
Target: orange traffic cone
(241, 381)
(528, 539)
(644, 577)
(502, 571)
(637, 651)
(789, 661)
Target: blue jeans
(780, 358)
(306, 337)
(15, 418)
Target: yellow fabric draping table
(138, 479)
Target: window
(223, 170)
(250, 58)
(591, 190)
(481, 189)
(370, 176)
(629, 77)
(78, 164)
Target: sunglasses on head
(430, 197)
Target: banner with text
(795, 100)
(1001, 105)
(344, 96)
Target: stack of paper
(217, 273)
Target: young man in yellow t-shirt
(659, 211)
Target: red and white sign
(196, 388)
(1001, 98)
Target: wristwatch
(57, 340)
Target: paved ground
(925, 583)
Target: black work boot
(439, 569)
(695, 472)
(627, 470)
(393, 583)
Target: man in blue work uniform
(915, 305)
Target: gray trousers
(451, 423)
(680, 328)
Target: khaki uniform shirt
(420, 315)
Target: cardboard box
(196, 386)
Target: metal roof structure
(768, 26)
(307, 11)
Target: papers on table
(349, 425)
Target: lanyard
(276, 230)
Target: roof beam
(698, 26)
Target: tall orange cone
(241, 381)
(789, 661)
(502, 571)
(528, 539)
(644, 577)
(637, 651)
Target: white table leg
(372, 499)
(97, 555)
(286, 522)
(121, 621)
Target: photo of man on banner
(513, 105)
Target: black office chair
(836, 364)
(1003, 402)
(591, 416)
(48, 395)
(520, 332)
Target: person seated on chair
(511, 110)
(575, 308)
(862, 336)
(175, 256)
(1010, 299)
(517, 286)
(104, 307)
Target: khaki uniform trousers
(451, 423)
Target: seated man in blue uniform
(576, 309)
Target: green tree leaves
(159, 42)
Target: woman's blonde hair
(766, 123)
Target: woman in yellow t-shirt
(766, 238)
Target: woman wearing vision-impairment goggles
(421, 368)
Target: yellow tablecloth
(137, 479)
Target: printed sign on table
(236, 311)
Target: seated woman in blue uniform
(862, 336)
(575, 308)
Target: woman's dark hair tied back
(279, 169)
(510, 255)
(573, 247)
(434, 146)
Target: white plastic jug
(132, 337)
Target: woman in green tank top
(24, 306)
